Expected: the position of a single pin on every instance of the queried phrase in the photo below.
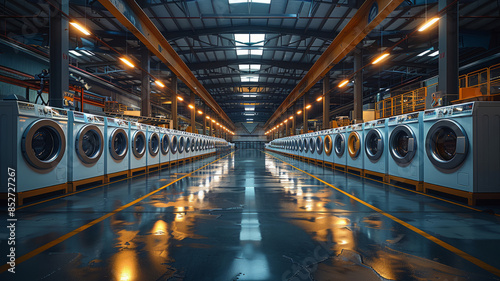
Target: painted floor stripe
(51, 244)
(436, 240)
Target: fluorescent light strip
(428, 24)
(75, 53)
(423, 53)
(434, 54)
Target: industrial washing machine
(318, 138)
(138, 148)
(312, 146)
(339, 148)
(34, 148)
(406, 149)
(164, 148)
(376, 150)
(462, 150)
(188, 146)
(355, 144)
(328, 147)
(116, 148)
(174, 146)
(153, 148)
(181, 146)
(85, 149)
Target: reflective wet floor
(251, 216)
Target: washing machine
(181, 145)
(116, 148)
(305, 146)
(376, 149)
(164, 148)
(318, 144)
(188, 146)
(406, 149)
(153, 148)
(339, 148)
(33, 145)
(355, 144)
(138, 147)
(462, 150)
(328, 147)
(85, 149)
(174, 146)
(312, 146)
(196, 146)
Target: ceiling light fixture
(428, 24)
(380, 58)
(423, 53)
(80, 28)
(434, 54)
(191, 106)
(127, 62)
(343, 83)
(299, 112)
(308, 106)
(159, 83)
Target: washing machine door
(181, 145)
(312, 145)
(354, 145)
(319, 145)
(374, 144)
(43, 144)
(154, 144)
(165, 144)
(306, 145)
(328, 145)
(197, 145)
(173, 144)
(118, 144)
(194, 145)
(89, 144)
(188, 145)
(301, 145)
(402, 144)
(446, 144)
(339, 145)
(139, 144)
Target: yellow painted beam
(368, 16)
(132, 17)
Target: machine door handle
(460, 145)
(411, 144)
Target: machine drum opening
(328, 145)
(354, 145)
(165, 144)
(154, 144)
(118, 144)
(444, 143)
(88, 144)
(339, 145)
(46, 144)
(139, 145)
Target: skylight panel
(249, 108)
(249, 78)
(249, 39)
(249, 1)
(434, 54)
(249, 67)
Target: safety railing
(487, 79)
(401, 104)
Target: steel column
(175, 120)
(448, 52)
(326, 102)
(193, 113)
(294, 108)
(59, 58)
(145, 82)
(358, 87)
(305, 127)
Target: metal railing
(487, 79)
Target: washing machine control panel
(464, 109)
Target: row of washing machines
(453, 149)
(56, 148)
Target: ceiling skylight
(75, 53)
(249, 67)
(249, 1)
(249, 78)
(434, 54)
(249, 39)
(246, 52)
(249, 108)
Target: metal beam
(351, 35)
(248, 84)
(59, 57)
(226, 63)
(130, 14)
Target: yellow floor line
(414, 191)
(51, 244)
(83, 190)
(438, 241)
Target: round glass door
(173, 144)
(139, 144)
(446, 144)
(154, 144)
(402, 144)
(306, 145)
(89, 144)
(328, 144)
(188, 145)
(118, 144)
(181, 145)
(319, 145)
(312, 145)
(339, 145)
(43, 144)
(165, 144)
(374, 145)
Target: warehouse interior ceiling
(250, 54)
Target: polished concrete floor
(251, 216)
